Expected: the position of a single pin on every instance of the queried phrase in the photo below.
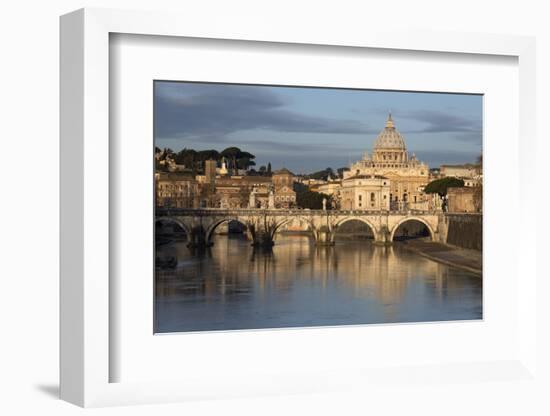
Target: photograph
(300, 206)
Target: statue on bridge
(271, 200)
(252, 199)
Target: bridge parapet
(282, 212)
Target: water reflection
(233, 286)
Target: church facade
(392, 165)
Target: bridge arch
(289, 220)
(210, 229)
(413, 218)
(348, 219)
(181, 224)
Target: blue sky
(308, 129)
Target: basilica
(389, 179)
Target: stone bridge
(262, 224)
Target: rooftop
(366, 177)
(283, 171)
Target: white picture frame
(86, 355)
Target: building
(390, 159)
(176, 190)
(210, 171)
(364, 192)
(465, 171)
(471, 174)
(472, 182)
(330, 187)
(283, 189)
(248, 191)
(234, 191)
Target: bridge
(263, 224)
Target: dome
(390, 138)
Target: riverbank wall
(462, 258)
(462, 230)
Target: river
(296, 284)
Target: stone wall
(464, 199)
(463, 230)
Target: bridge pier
(323, 237)
(383, 237)
(198, 238)
(263, 239)
(260, 235)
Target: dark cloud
(435, 158)
(440, 122)
(465, 129)
(469, 137)
(192, 110)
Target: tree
(269, 168)
(309, 199)
(186, 157)
(263, 170)
(324, 174)
(440, 186)
(245, 160)
(167, 153)
(211, 154)
(479, 160)
(232, 153)
(341, 172)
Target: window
(372, 196)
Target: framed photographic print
(303, 205)
(262, 221)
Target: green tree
(324, 174)
(309, 199)
(269, 168)
(479, 160)
(440, 186)
(186, 157)
(208, 155)
(245, 160)
(341, 172)
(232, 154)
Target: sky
(308, 129)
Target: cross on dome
(389, 123)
